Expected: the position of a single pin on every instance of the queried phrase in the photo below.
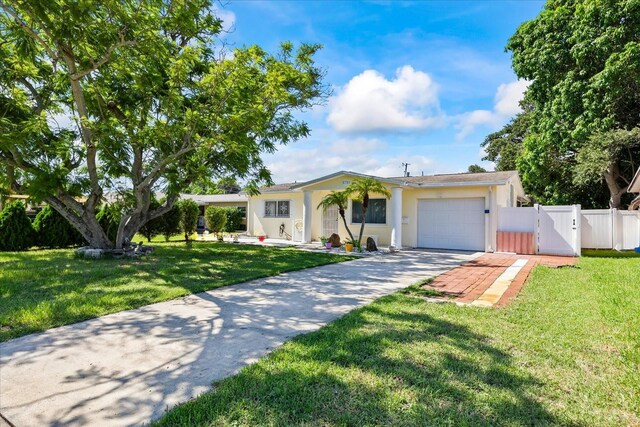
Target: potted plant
(324, 240)
(350, 244)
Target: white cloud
(506, 105)
(363, 155)
(370, 102)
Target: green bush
(216, 218)
(234, 219)
(16, 231)
(170, 222)
(190, 212)
(54, 231)
(155, 226)
(109, 219)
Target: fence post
(615, 227)
(536, 229)
(577, 233)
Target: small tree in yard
(138, 97)
(234, 219)
(155, 226)
(341, 200)
(216, 218)
(16, 231)
(190, 212)
(171, 222)
(360, 189)
(54, 231)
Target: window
(376, 212)
(276, 209)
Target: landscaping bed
(47, 288)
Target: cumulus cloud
(363, 155)
(370, 102)
(506, 105)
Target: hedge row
(51, 230)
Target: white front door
(330, 221)
(451, 224)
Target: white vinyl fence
(610, 229)
(565, 230)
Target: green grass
(47, 288)
(566, 352)
(609, 253)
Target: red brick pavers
(467, 282)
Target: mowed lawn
(566, 352)
(47, 288)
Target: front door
(330, 221)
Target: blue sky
(418, 82)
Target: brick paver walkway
(469, 281)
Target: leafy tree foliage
(52, 230)
(190, 211)
(216, 218)
(16, 231)
(234, 219)
(505, 146)
(205, 185)
(583, 61)
(476, 169)
(140, 96)
(108, 218)
(155, 226)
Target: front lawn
(43, 289)
(566, 352)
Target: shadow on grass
(381, 365)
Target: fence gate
(559, 230)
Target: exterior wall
(258, 225)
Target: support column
(307, 210)
(396, 209)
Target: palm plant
(340, 199)
(360, 189)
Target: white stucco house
(454, 211)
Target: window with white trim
(376, 212)
(277, 208)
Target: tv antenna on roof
(406, 165)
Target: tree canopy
(135, 97)
(583, 61)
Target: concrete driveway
(127, 368)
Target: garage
(451, 224)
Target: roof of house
(202, 199)
(634, 187)
(482, 178)
(443, 180)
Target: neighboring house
(455, 211)
(634, 187)
(239, 201)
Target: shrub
(155, 226)
(190, 212)
(216, 218)
(109, 219)
(234, 219)
(16, 231)
(170, 222)
(54, 231)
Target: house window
(276, 209)
(376, 212)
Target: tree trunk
(344, 220)
(615, 191)
(86, 224)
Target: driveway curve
(127, 368)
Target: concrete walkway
(129, 367)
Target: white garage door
(451, 224)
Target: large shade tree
(134, 97)
(583, 60)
